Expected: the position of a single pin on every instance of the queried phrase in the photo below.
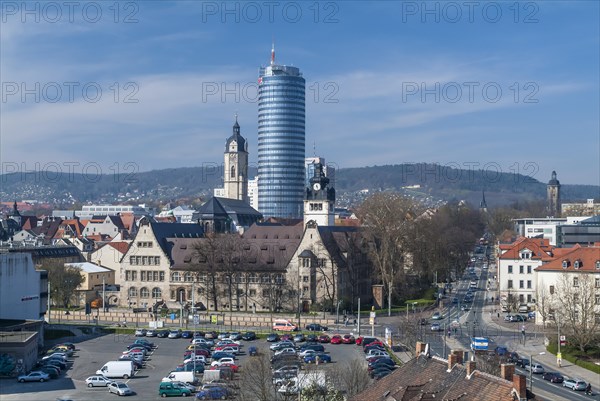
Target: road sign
(563, 340)
(372, 317)
(172, 316)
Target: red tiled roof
(539, 247)
(119, 246)
(587, 257)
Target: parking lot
(92, 354)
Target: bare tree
(352, 378)
(206, 257)
(255, 380)
(388, 220)
(544, 303)
(576, 304)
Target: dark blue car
(213, 393)
(323, 358)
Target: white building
(182, 214)
(252, 193)
(516, 269)
(88, 211)
(546, 228)
(23, 289)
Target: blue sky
(498, 86)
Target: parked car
(213, 393)
(97, 381)
(174, 334)
(162, 334)
(337, 339)
(324, 338)
(508, 318)
(151, 333)
(52, 372)
(316, 327)
(35, 376)
(187, 334)
(144, 342)
(518, 318)
(189, 367)
(522, 362)
(166, 389)
(436, 316)
(136, 362)
(553, 377)
(273, 337)
(575, 384)
(436, 327)
(535, 368)
(232, 366)
(348, 339)
(140, 333)
(322, 358)
(299, 338)
(501, 351)
(119, 388)
(252, 351)
(249, 336)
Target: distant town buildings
(587, 208)
(562, 231)
(281, 140)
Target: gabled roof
(540, 248)
(88, 267)
(223, 207)
(587, 257)
(425, 378)
(162, 231)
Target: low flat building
(18, 351)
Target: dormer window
(577, 264)
(598, 264)
(565, 264)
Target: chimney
(470, 367)
(452, 360)
(420, 348)
(459, 353)
(520, 385)
(507, 370)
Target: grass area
(573, 355)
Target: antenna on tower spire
(273, 52)
(314, 149)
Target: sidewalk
(535, 346)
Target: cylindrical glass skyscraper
(281, 141)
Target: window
(305, 262)
(597, 283)
(597, 317)
(265, 278)
(509, 269)
(305, 279)
(265, 293)
(252, 293)
(232, 175)
(577, 264)
(144, 260)
(133, 275)
(154, 276)
(175, 276)
(521, 284)
(162, 276)
(133, 292)
(157, 260)
(521, 298)
(575, 281)
(253, 278)
(305, 291)
(551, 290)
(565, 264)
(528, 269)
(172, 294)
(144, 293)
(187, 277)
(143, 275)
(528, 298)
(576, 298)
(598, 264)
(127, 275)
(279, 279)
(132, 260)
(138, 260)
(510, 284)
(521, 269)
(597, 299)
(528, 283)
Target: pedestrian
(498, 315)
(355, 322)
(346, 322)
(448, 332)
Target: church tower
(483, 204)
(319, 202)
(235, 168)
(553, 190)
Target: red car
(287, 337)
(348, 339)
(337, 339)
(233, 367)
(198, 352)
(324, 338)
(375, 343)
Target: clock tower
(235, 167)
(319, 202)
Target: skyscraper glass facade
(281, 141)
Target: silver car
(97, 381)
(35, 376)
(119, 388)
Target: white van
(186, 377)
(115, 369)
(523, 309)
(284, 325)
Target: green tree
(64, 279)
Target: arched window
(175, 276)
(156, 293)
(144, 293)
(133, 292)
(252, 278)
(187, 277)
(232, 171)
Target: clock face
(316, 186)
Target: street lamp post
(337, 312)
(531, 371)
